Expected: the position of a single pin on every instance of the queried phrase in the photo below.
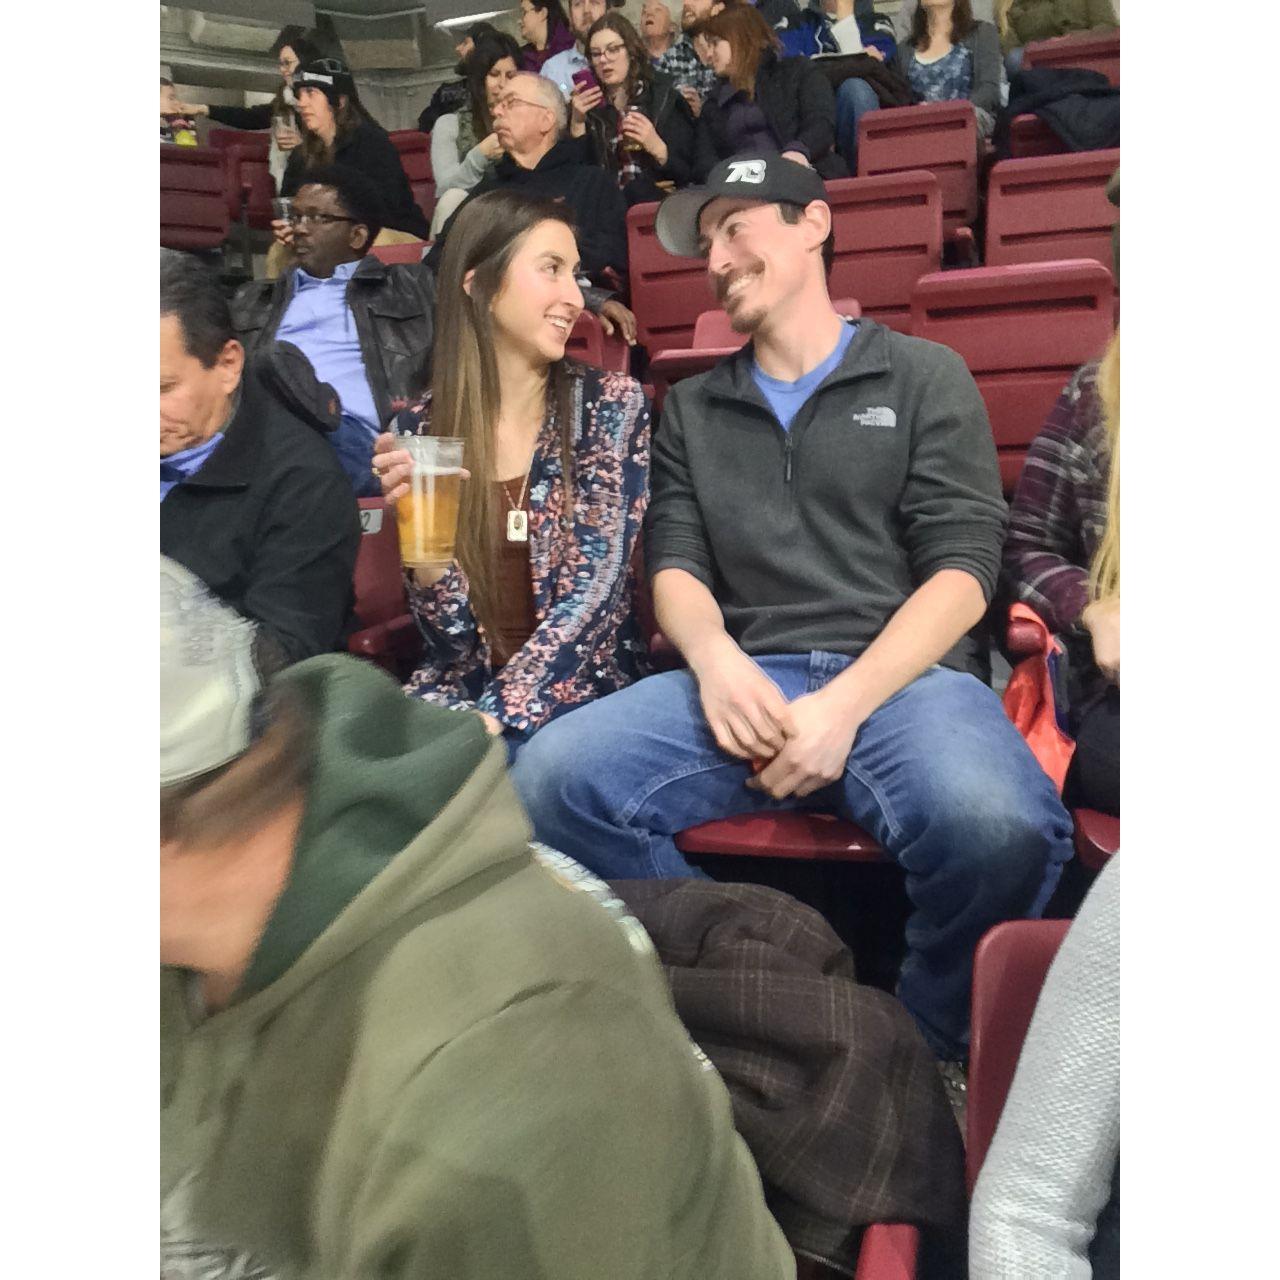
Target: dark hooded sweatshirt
(591, 193)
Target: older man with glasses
(530, 121)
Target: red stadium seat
(194, 212)
(252, 187)
(941, 137)
(888, 233)
(589, 343)
(668, 294)
(397, 253)
(1047, 208)
(1093, 52)
(1022, 331)
(1030, 136)
(713, 339)
(888, 1252)
(1097, 837)
(811, 837)
(1009, 968)
(415, 158)
(386, 632)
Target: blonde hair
(1104, 575)
(1002, 15)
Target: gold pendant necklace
(518, 517)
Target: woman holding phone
(535, 614)
(636, 123)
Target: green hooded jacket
(446, 1060)
(1031, 20)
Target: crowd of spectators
(394, 1044)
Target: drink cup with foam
(427, 516)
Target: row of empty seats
(888, 233)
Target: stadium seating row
(205, 190)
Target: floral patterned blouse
(587, 642)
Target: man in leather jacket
(365, 326)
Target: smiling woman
(535, 615)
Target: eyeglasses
(607, 51)
(510, 101)
(316, 219)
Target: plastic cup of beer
(427, 516)
(281, 208)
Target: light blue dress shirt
(318, 321)
(186, 462)
(562, 67)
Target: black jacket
(671, 117)
(258, 117)
(269, 523)
(368, 149)
(447, 98)
(393, 310)
(798, 102)
(592, 195)
(813, 538)
(1079, 105)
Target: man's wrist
(706, 650)
(847, 697)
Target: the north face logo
(880, 416)
(746, 171)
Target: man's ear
(466, 281)
(817, 218)
(359, 237)
(230, 365)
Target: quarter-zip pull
(786, 475)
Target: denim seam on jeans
(630, 809)
(882, 803)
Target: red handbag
(1028, 700)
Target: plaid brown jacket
(833, 1089)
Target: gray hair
(548, 95)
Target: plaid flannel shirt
(682, 65)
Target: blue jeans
(937, 774)
(854, 98)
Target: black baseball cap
(767, 178)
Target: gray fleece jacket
(813, 538)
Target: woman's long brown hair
(962, 22)
(639, 66)
(465, 392)
(750, 37)
(347, 116)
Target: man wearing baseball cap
(824, 533)
(395, 1042)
